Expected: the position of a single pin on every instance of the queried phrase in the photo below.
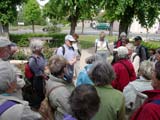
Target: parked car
(103, 26)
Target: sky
(42, 2)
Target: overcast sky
(42, 2)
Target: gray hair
(145, 69)
(123, 34)
(36, 45)
(7, 76)
(93, 58)
(56, 64)
(101, 73)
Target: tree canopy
(8, 12)
(73, 9)
(32, 11)
(145, 11)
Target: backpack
(45, 109)
(134, 57)
(97, 43)
(27, 70)
(140, 51)
(63, 50)
(6, 105)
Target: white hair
(36, 45)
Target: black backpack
(63, 50)
(140, 51)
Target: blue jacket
(83, 77)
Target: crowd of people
(126, 88)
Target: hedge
(152, 44)
(22, 40)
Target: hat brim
(5, 43)
(72, 40)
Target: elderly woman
(83, 77)
(112, 101)
(101, 46)
(151, 108)
(61, 89)
(132, 92)
(84, 102)
(123, 68)
(37, 64)
(11, 107)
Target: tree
(8, 13)
(145, 11)
(32, 12)
(73, 9)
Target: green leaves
(32, 10)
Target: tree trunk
(123, 27)
(111, 28)
(73, 24)
(33, 26)
(4, 29)
(1, 29)
(126, 20)
(82, 26)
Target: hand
(73, 61)
(45, 77)
(11, 87)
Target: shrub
(152, 44)
(20, 55)
(22, 40)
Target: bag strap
(53, 89)
(63, 49)
(6, 105)
(134, 57)
(156, 102)
(125, 67)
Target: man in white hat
(5, 53)
(4, 48)
(123, 68)
(68, 52)
(12, 108)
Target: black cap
(138, 38)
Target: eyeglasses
(20, 76)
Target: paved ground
(90, 51)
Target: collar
(106, 87)
(152, 94)
(53, 78)
(5, 94)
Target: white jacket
(19, 111)
(132, 92)
(135, 59)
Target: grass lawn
(88, 41)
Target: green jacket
(112, 105)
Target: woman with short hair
(101, 46)
(132, 92)
(37, 63)
(112, 101)
(61, 88)
(151, 108)
(84, 102)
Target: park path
(86, 53)
(90, 51)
